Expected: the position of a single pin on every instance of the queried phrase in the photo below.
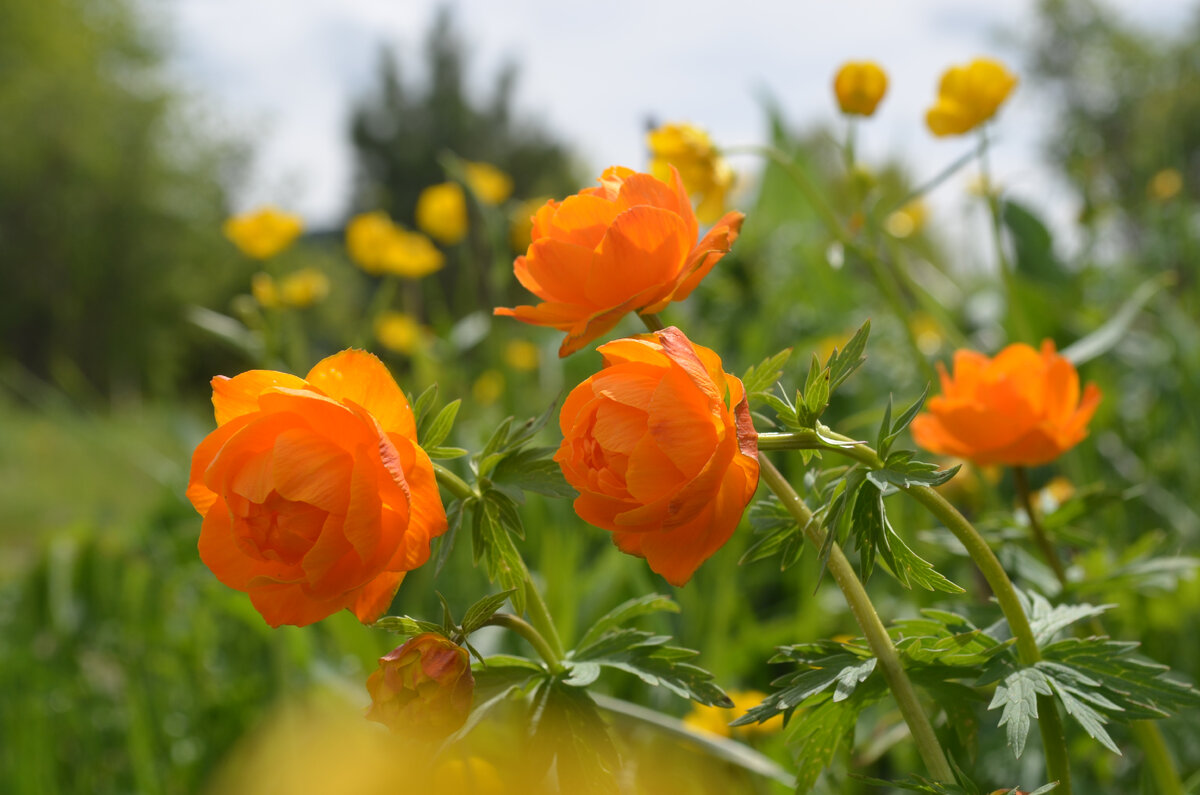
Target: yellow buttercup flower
(379, 246)
(442, 213)
(859, 87)
(489, 184)
(705, 174)
(263, 233)
(716, 720)
(304, 287)
(398, 332)
(264, 290)
(521, 355)
(969, 95)
(1165, 185)
(906, 221)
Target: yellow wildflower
(412, 255)
(906, 221)
(379, 246)
(442, 213)
(304, 287)
(367, 238)
(398, 332)
(489, 184)
(520, 228)
(859, 87)
(263, 288)
(968, 96)
(488, 387)
(521, 355)
(1165, 185)
(705, 174)
(716, 720)
(263, 233)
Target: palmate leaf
(763, 376)
(626, 612)
(646, 656)
(1139, 688)
(1075, 692)
(478, 613)
(1047, 620)
(567, 727)
(777, 532)
(493, 544)
(822, 666)
(1017, 694)
(531, 469)
(825, 727)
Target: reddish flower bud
(422, 689)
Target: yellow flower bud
(304, 287)
(263, 233)
(859, 87)
(968, 96)
(263, 288)
(442, 213)
(422, 689)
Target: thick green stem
(1157, 757)
(526, 631)
(652, 321)
(1021, 479)
(1049, 720)
(873, 630)
(453, 483)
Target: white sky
(284, 73)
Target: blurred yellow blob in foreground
(906, 221)
(263, 233)
(716, 720)
(489, 184)
(398, 332)
(442, 213)
(705, 174)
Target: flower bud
(422, 689)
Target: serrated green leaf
(646, 656)
(626, 612)
(454, 519)
(817, 676)
(1073, 700)
(444, 453)
(494, 545)
(532, 469)
(441, 426)
(566, 722)
(1140, 688)
(762, 377)
(1047, 620)
(478, 613)
(581, 674)
(504, 509)
(422, 406)
(1018, 697)
(826, 726)
(902, 422)
(842, 363)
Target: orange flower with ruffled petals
(422, 689)
(628, 245)
(661, 448)
(1022, 408)
(314, 493)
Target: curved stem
(652, 321)
(1049, 720)
(453, 483)
(1021, 479)
(873, 630)
(535, 639)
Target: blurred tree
(1128, 109)
(110, 205)
(399, 131)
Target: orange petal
(556, 270)
(372, 600)
(644, 247)
(287, 603)
(360, 377)
(234, 397)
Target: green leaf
(1048, 620)
(567, 724)
(1139, 688)
(494, 546)
(1074, 690)
(532, 469)
(407, 626)
(816, 394)
(763, 376)
(626, 612)
(826, 726)
(422, 406)
(443, 453)
(903, 421)
(775, 528)
(1018, 696)
(454, 519)
(1032, 244)
(646, 656)
(478, 613)
(440, 428)
(842, 363)
(841, 669)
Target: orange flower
(1022, 408)
(314, 493)
(628, 245)
(661, 448)
(422, 689)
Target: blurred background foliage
(124, 665)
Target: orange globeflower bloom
(661, 448)
(1022, 408)
(314, 493)
(859, 87)
(628, 245)
(423, 688)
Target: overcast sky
(284, 73)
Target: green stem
(652, 321)
(1049, 720)
(526, 631)
(943, 175)
(873, 630)
(453, 483)
(1021, 479)
(1157, 757)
